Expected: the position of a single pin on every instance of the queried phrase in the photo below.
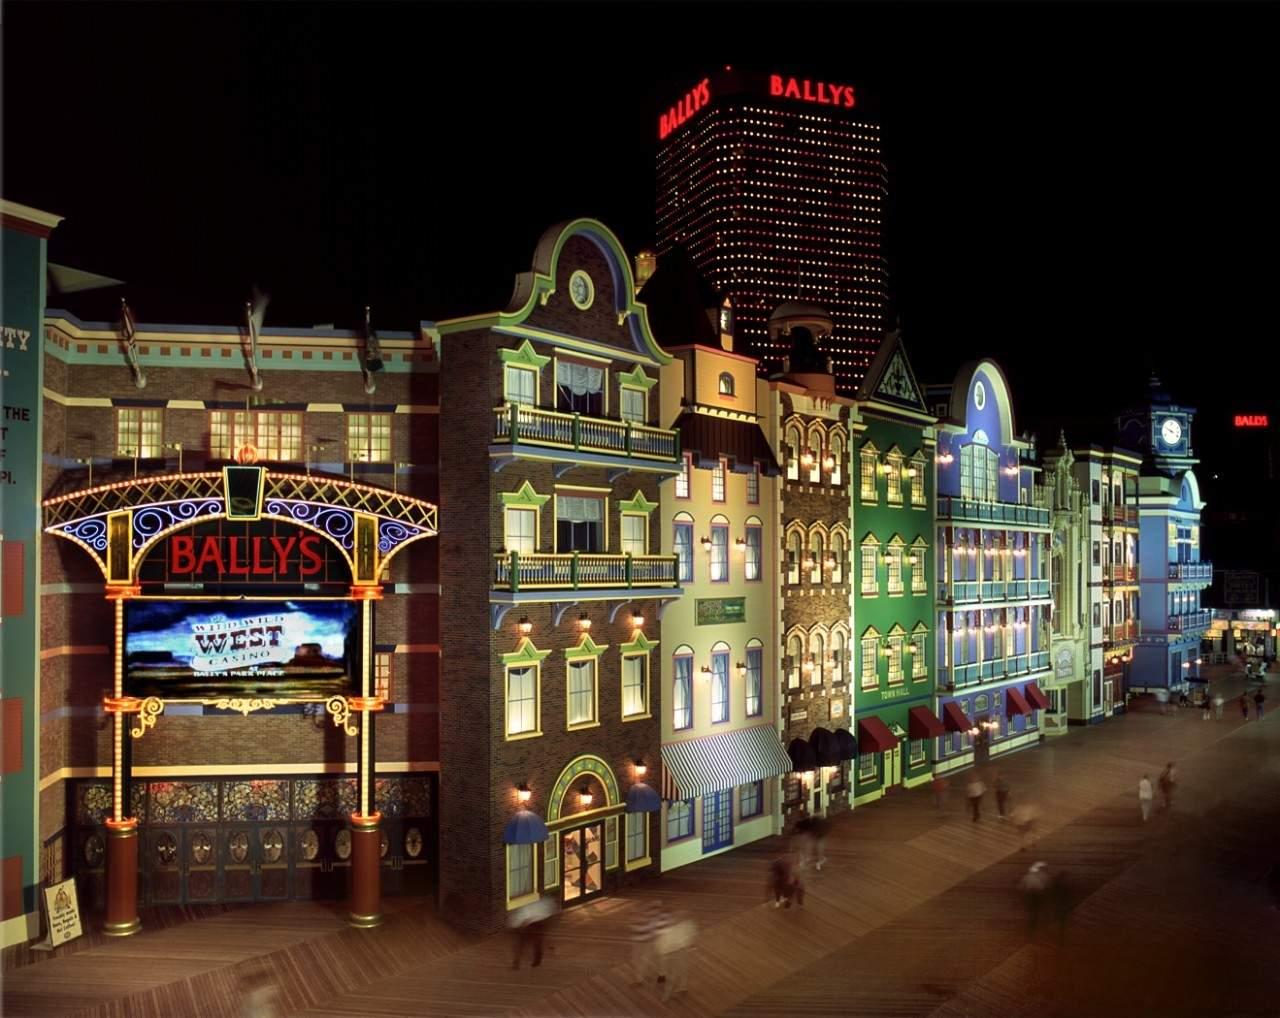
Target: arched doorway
(583, 816)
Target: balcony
(1124, 632)
(991, 591)
(1120, 573)
(1190, 622)
(1191, 572)
(1120, 515)
(580, 439)
(582, 571)
(996, 670)
(963, 510)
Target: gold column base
(121, 929)
(364, 922)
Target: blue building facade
(994, 602)
(1172, 576)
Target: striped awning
(720, 761)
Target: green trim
(525, 654)
(523, 356)
(524, 497)
(637, 504)
(586, 764)
(640, 645)
(636, 379)
(586, 647)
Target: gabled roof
(889, 379)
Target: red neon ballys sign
(1252, 421)
(693, 101)
(245, 556)
(824, 93)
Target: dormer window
(726, 384)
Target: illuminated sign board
(1252, 421)
(779, 86)
(258, 552)
(175, 648)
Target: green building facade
(892, 510)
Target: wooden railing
(1013, 513)
(1125, 632)
(576, 570)
(528, 425)
(1121, 573)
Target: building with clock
(1172, 576)
(991, 632)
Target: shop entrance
(893, 767)
(582, 850)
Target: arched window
(815, 551)
(682, 544)
(868, 462)
(817, 657)
(795, 659)
(794, 551)
(979, 472)
(837, 558)
(754, 679)
(682, 688)
(720, 683)
(726, 384)
(815, 455)
(792, 452)
(836, 455)
(839, 652)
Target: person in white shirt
(1145, 797)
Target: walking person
(784, 884)
(818, 830)
(1025, 818)
(1244, 706)
(530, 925)
(1218, 702)
(644, 931)
(1259, 698)
(1002, 796)
(1166, 783)
(974, 793)
(1162, 698)
(1145, 796)
(939, 786)
(1034, 884)
(674, 945)
(803, 830)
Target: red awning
(922, 723)
(953, 718)
(874, 736)
(1036, 696)
(1017, 702)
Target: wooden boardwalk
(916, 913)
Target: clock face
(581, 291)
(1171, 431)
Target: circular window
(979, 395)
(201, 848)
(272, 845)
(310, 842)
(94, 850)
(581, 290)
(342, 844)
(413, 843)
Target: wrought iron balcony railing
(1191, 571)
(577, 570)
(1004, 513)
(991, 591)
(518, 423)
(1190, 622)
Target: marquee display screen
(198, 648)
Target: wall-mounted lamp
(706, 545)
(829, 463)
(706, 670)
(911, 560)
(742, 670)
(808, 665)
(808, 777)
(526, 627)
(741, 544)
(945, 457)
(886, 468)
(830, 563)
(637, 621)
(911, 471)
(809, 563)
(585, 796)
(523, 793)
(641, 769)
(806, 460)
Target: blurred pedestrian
(1162, 698)
(530, 924)
(803, 842)
(1166, 782)
(974, 793)
(673, 946)
(819, 827)
(644, 931)
(1144, 797)
(1259, 698)
(1025, 818)
(784, 884)
(1034, 883)
(1002, 796)
(1244, 706)
(939, 785)
(1218, 702)
(258, 995)
(1207, 707)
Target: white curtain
(574, 509)
(579, 379)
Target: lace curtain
(579, 379)
(574, 509)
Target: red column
(122, 878)
(366, 875)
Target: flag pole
(129, 331)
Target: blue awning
(525, 828)
(721, 761)
(642, 799)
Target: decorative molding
(524, 497)
(152, 707)
(523, 356)
(525, 653)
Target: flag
(372, 348)
(129, 330)
(255, 311)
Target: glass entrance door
(717, 819)
(893, 767)
(583, 853)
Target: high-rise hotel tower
(775, 186)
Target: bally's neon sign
(1252, 421)
(821, 93)
(245, 556)
(693, 101)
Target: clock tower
(1161, 430)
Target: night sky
(1084, 192)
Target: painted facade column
(366, 825)
(122, 830)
